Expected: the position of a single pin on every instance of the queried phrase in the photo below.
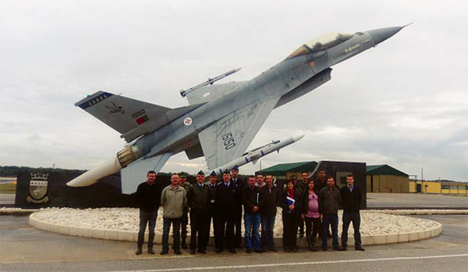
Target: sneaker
(138, 252)
(164, 252)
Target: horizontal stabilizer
(132, 118)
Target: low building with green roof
(385, 179)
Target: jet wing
(229, 137)
(210, 92)
(135, 173)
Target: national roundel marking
(188, 121)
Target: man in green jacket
(174, 201)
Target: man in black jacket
(148, 197)
(238, 208)
(198, 199)
(270, 196)
(351, 202)
(251, 199)
(226, 199)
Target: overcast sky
(403, 103)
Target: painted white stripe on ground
(298, 264)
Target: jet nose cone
(381, 34)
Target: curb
(132, 236)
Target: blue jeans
(252, 223)
(330, 218)
(145, 218)
(268, 223)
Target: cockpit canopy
(320, 43)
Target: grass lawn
(8, 188)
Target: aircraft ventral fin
(135, 173)
(229, 137)
(210, 92)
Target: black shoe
(337, 248)
(263, 250)
(324, 248)
(184, 246)
(202, 251)
(177, 252)
(192, 251)
(248, 251)
(164, 252)
(360, 248)
(150, 251)
(272, 249)
(258, 251)
(232, 250)
(301, 235)
(313, 249)
(219, 250)
(294, 250)
(287, 249)
(344, 248)
(239, 246)
(138, 252)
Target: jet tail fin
(132, 118)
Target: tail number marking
(228, 141)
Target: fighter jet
(221, 120)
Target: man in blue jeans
(269, 197)
(251, 200)
(148, 197)
(330, 200)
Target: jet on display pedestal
(222, 119)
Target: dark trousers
(199, 225)
(175, 232)
(212, 218)
(300, 224)
(268, 223)
(238, 226)
(354, 217)
(330, 219)
(289, 230)
(224, 229)
(184, 222)
(147, 217)
(312, 229)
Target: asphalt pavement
(23, 248)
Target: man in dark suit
(238, 207)
(269, 195)
(226, 199)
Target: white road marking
(300, 263)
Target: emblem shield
(38, 188)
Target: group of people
(313, 203)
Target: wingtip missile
(210, 81)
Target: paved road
(423, 201)
(23, 248)
(8, 199)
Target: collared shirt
(227, 184)
(200, 185)
(351, 187)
